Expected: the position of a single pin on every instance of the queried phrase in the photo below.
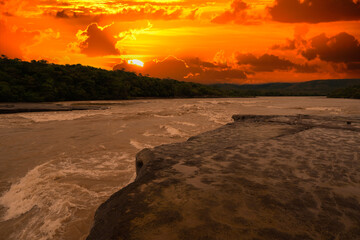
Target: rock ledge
(260, 177)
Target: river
(56, 168)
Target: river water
(56, 168)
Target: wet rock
(260, 177)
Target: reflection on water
(56, 168)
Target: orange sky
(240, 41)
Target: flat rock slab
(260, 177)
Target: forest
(340, 88)
(349, 92)
(40, 81)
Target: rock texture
(260, 177)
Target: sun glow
(136, 62)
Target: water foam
(325, 109)
(218, 118)
(173, 132)
(60, 191)
(139, 145)
(186, 124)
(59, 116)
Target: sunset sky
(240, 41)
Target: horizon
(223, 83)
(235, 42)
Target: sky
(239, 41)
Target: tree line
(349, 92)
(39, 81)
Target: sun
(136, 62)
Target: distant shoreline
(12, 108)
(27, 107)
(38, 81)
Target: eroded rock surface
(261, 177)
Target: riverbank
(8, 108)
(263, 177)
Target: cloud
(300, 32)
(315, 11)
(264, 63)
(204, 71)
(97, 41)
(228, 75)
(193, 14)
(340, 52)
(342, 47)
(132, 33)
(271, 63)
(26, 8)
(289, 45)
(14, 42)
(191, 69)
(297, 43)
(62, 14)
(353, 66)
(148, 12)
(306, 68)
(237, 14)
(119, 12)
(170, 67)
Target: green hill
(349, 92)
(310, 88)
(39, 81)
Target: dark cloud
(353, 66)
(342, 47)
(221, 76)
(134, 13)
(289, 45)
(192, 69)
(342, 51)
(264, 63)
(62, 14)
(7, 14)
(315, 11)
(236, 14)
(99, 41)
(203, 71)
(197, 62)
(297, 42)
(271, 63)
(170, 67)
(306, 68)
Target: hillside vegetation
(39, 81)
(344, 88)
(349, 92)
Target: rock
(142, 158)
(260, 177)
